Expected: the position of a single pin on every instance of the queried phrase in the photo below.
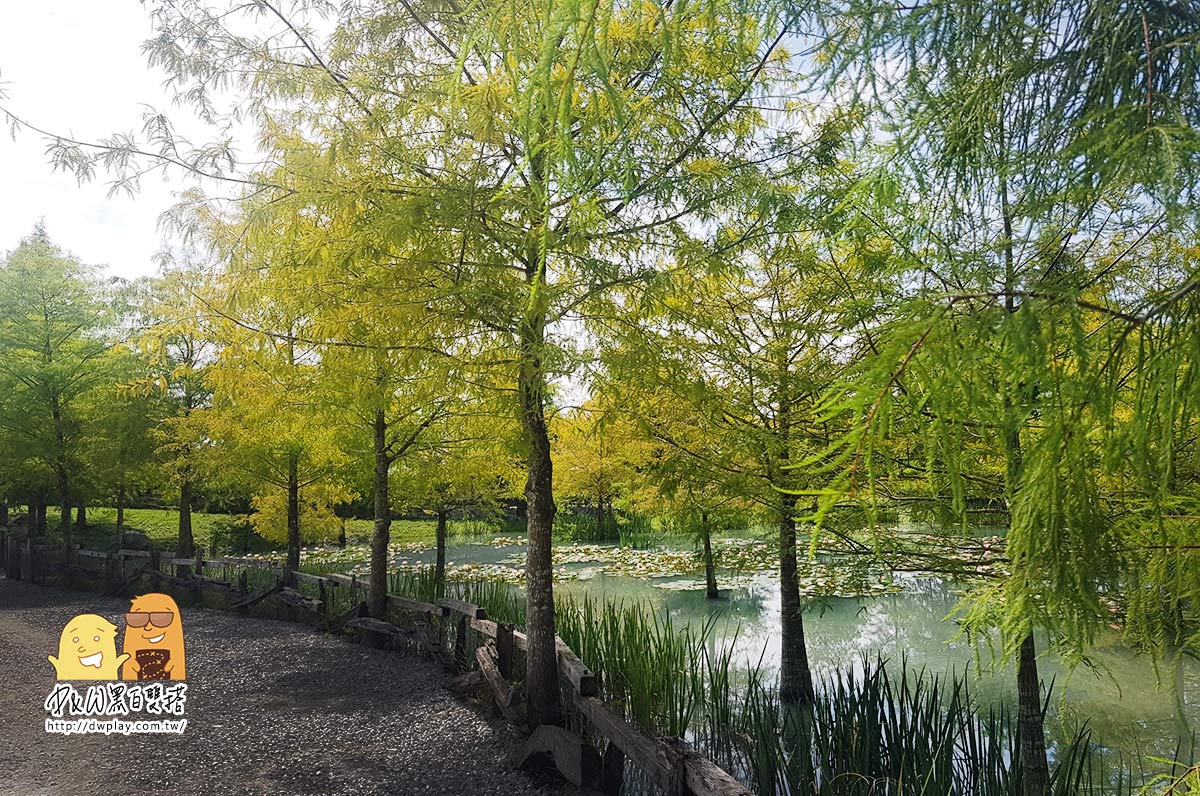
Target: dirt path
(272, 708)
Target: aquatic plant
(874, 728)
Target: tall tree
(51, 356)
(726, 366)
(180, 345)
(564, 147)
(593, 448)
(120, 447)
(467, 465)
(1008, 327)
(267, 411)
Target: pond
(1133, 707)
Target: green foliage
(964, 278)
(161, 525)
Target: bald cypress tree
(1029, 202)
(51, 356)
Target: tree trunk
(381, 536)
(185, 546)
(38, 510)
(4, 512)
(120, 509)
(1029, 693)
(293, 518)
(541, 678)
(81, 515)
(710, 571)
(795, 676)
(60, 469)
(342, 533)
(439, 572)
(64, 492)
(1030, 722)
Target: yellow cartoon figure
(154, 640)
(87, 650)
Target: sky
(76, 67)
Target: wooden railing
(669, 763)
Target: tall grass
(502, 602)
(876, 729)
(883, 730)
(628, 530)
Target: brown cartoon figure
(154, 640)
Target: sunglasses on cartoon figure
(153, 618)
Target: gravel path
(272, 708)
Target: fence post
(68, 559)
(24, 562)
(460, 645)
(243, 610)
(504, 650)
(199, 560)
(612, 771)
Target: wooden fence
(457, 633)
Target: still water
(1133, 706)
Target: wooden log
(339, 621)
(177, 583)
(468, 610)
(123, 585)
(352, 582)
(258, 596)
(416, 606)
(374, 626)
(576, 671)
(577, 760)
(470, 682)
(569, 665)
(502, 692)
(485, 626)
(696, 775)
(297, 599)
(637, 745)
(75, 569)
(375, 633)
(216, 585)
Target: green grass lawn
(162, 526)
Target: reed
(875, 729)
